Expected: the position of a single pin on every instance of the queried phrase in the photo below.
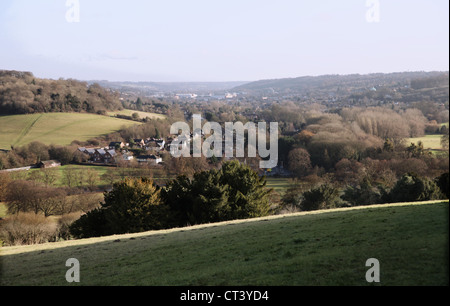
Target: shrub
(64, 223)
(92, 224)
(411, 187)
(322, 197)
(443, 183)
(363, 194)
(233, 192)
(27, 228)
(133, 205)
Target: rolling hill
(344, 84)
(55, 128)
(321, 248)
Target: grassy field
(55, 128)
(432, 142)
(142, 115)
(280, 184)
(327, 248)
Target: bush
(233, 192)
(322, 197)
(92, 224)
(27, 228)
(133, 205)
(64, 223)
(443, 183)
(364, 194)
(411, 187)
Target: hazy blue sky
(221, 40)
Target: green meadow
(322, 248)
(432, 142)
(142, 115)
(56, 128)
(279, 184)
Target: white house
(150, 159)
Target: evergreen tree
(411, 187)
(443, 183)
(322, 197)
(133, 205)
(233, 192)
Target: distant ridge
(308, 83)
(171, 87)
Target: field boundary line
(27, 129)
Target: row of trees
(22, 93)
(305, 196)
(356, 133)
(39, 195)
(36, 152)
(134, 205)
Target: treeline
(309, 194)
(431, 82)
(353, 133)
(31, 201)
(137, 204)
(150, 105)
(35, 152)
(22, 93)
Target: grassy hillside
(432, 142)
(55, 128)
(320, 248)
(142, 115)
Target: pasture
(431, 142)
(56, 128)
(279, 184)
(142, 115)
(322, 248)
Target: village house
(127, 157)
(155, 145)
(49, 164)
(88, 151)
(150, 159)
(104, 156)
(116, 145)
(139, 142)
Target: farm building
(49, 164)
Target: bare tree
(92, 179)
(299, 161)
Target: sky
(221, 40)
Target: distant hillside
(23, 93)
(345, 83)
(170, 87)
